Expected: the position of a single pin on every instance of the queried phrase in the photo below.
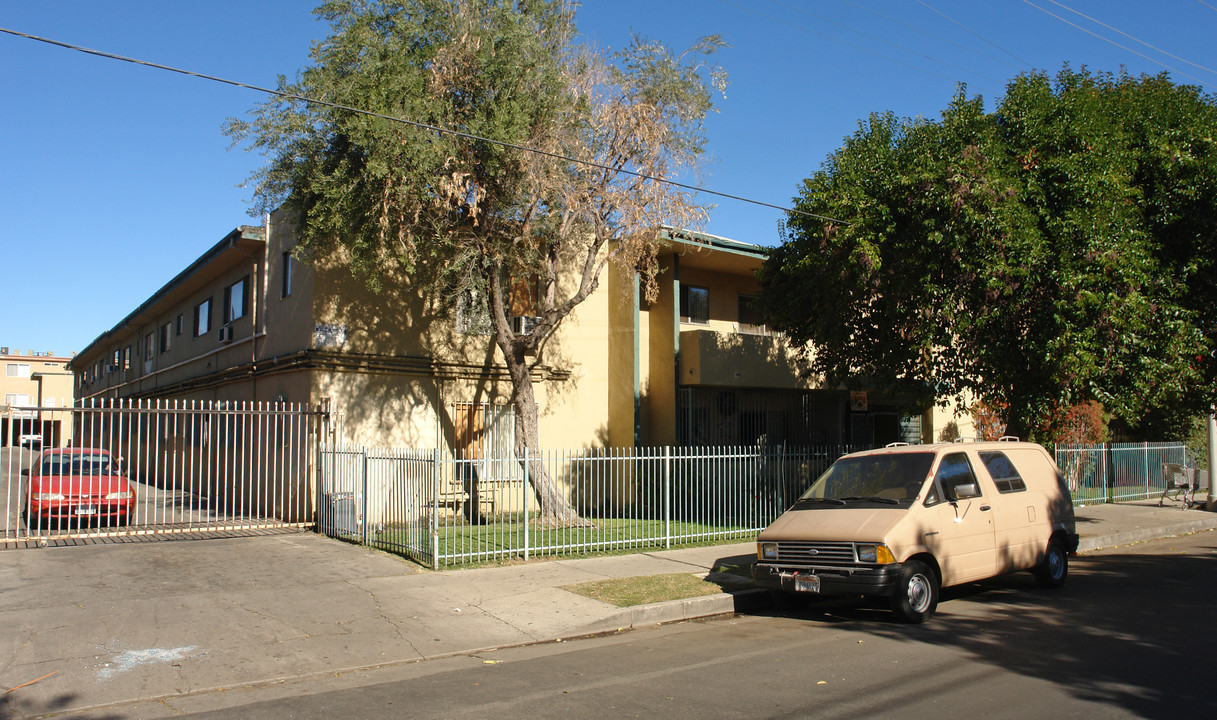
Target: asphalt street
(1123, 639)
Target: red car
(76, 484)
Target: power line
(973, 32)
(929, 34)
(809, 31)
(1112, 42)
(1130, 37)
(413, 123)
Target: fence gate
(160, 467)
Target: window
(953, 473)
(166, 337)
(287, 275)
(1003, 472)
(202, 318)
(181, 324)
(750, 318)
(149, 346)
(17, 370)
(235, 297)
(16, 399)
(126, 358)
(694, 304)
(472, 314)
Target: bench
(456, 495)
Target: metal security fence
(442, 510)
(155, 467)
(1116, 472)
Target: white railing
(442, 510)
(152, 467)
(1116, 472)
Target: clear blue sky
(116, 177)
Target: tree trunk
(556, 509)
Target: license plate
(86, 510)
(807, 583)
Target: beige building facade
(31, 385)
(249, 321)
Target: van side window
(1003, 472)
(954, 477)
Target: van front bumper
(882, 581)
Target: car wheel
(916, 598)
(1054, 568)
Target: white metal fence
(1116, 472)
(443, 511)
(115, 468)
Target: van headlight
(768, 550)
(877, 554)
(126, 495)
(48, 496)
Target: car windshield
(894, 478)
(76, 465)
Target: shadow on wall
(414, 364)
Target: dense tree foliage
(1058, 250)
(551, 174)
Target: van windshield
(892, 479)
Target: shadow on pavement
(1125, 630)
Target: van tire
(916, 597)
(1054, 568)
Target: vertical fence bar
(526, 520)
(434, 519)
(667, 496)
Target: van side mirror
(25, 472)
(965, 491)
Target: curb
(671, 611)
(1087, 544)
(754, 598)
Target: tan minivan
(903, 521)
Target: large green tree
(1057, 250)
(546, 167)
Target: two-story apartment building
(35, 380)
(249, 321)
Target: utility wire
(929, 34)
(1112, 42)
(1130, 37)
(973, 32)
(414, 123)
(809, 31)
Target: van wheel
(1054, 568)
(916, 598)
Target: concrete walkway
(158, 628)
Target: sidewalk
(159, 628)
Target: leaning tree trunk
(556, 509)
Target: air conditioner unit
(111, 368)
(524, 324)
(226, 334)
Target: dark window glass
(750, 318)
(953, 472)
(694, 304)
(287, 275)
(235, 299)
(202, 318)
(1005, 475)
